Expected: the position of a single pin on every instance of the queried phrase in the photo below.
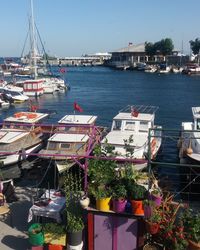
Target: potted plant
(156, 196)
(101, 173)
(36, 236)
(191, 223)
(137, 194)
(148, 208)
(75, 222)
(152, 224)
(54, 234)
(119, 194)
(102, 194)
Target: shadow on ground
(16, 242)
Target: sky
(77, 27)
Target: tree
(149, 49)
(195, 46)
(164, 47)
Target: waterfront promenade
(13, 230)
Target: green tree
(195, 46)
(149, 49)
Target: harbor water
(104, 91)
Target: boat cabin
(33, 87)
(138, 119)
(67, 144)
(196, 117)
(23, 120)
(80, 124)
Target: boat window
(117, 125)
(78, 146)
(51, 145)
(130, 126)
(65, 145)
(143, 127)
(198, 123)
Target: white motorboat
(20, 135)
(129, 134)
(189, 142)
(3, 104)
(75, 137)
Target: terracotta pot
(137, 207)
(152, 227)
(119, 205)
(193, 245)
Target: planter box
(50, 238)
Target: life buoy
(27, 115)
(153, 147)
(31, 116)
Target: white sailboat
(39, 84)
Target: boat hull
(15, 158)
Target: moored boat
(189, 142)
(20, 135)
(75, 137)
(130, 134)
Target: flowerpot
(84, 202)
(193, 245)
(137, 207)
(79, 247)
(119, 205)
(151, 227)
(156, 199)
(55, 247)
(50, 238)
(103, 204)
(75, 238)
(35, 238)
(147, 211)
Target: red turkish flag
(77, 107)
(134, 112)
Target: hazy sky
(76, 27)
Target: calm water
(103, 92)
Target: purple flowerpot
(119, 205)
(156, 199)
(147, 211)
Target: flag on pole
(134, 112)
(77, 107)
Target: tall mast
(33, 42)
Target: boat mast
(33, 42)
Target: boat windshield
(117, 125)
(198, 124)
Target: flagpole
(74, 114)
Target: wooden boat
(75, 138)
(130, 132)
(20, 135)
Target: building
(131, 56)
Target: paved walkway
(15, 236)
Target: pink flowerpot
(147, 211)
(156, 199)
(119, 205)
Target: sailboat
(39, 83)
